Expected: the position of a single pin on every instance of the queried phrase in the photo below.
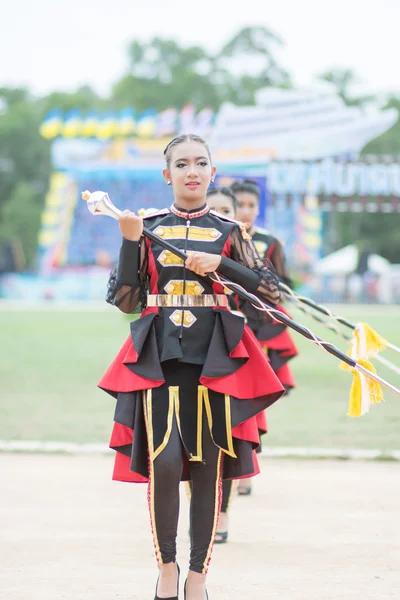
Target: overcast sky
(57, 44)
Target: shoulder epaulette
(223, 217)
(243, 226)
(152, 212)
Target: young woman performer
(223, 201)
(273, 337)
(190, 380)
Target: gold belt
(186, 300)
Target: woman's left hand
(202, 263)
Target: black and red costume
(189, 380)
(273, 336)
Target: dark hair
(246, 185)
(186, 137)
(225, 191)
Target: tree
(343, 80)
(84, 99)
(379, 232)
(24, 171)
(26, 153)
(20, 220)
(388, 142)
(164, 74)
(253, 46)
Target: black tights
(227, 488)
(164, 483)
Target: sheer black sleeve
(246, 268)
(128, 283)
(279, 262)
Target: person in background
(273, 337)
(223, 201)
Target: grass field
(51, 361)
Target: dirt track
(312, 530)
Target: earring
(212, 180)
(169, 182)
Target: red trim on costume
(247, 431)
(121, 470)
(226, 251)
(189, 215)
(119, 378)
(245, 383)
(285, 376)
(240, 351)
(121, 435)
(283, 343)
(152, 269)
(256, 468)
(262, 419)
(269, 252)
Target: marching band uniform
(190, 380)
(273, 336)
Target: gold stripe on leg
(207, 405)
(174, 395)
(228, 422)
(217, 505)
(147, 405)
(169, 423)
(199, 438)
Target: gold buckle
(186, 300)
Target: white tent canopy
(345, 260)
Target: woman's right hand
(131, 226)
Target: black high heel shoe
(184, 591)
(177, 587)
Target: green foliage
(255, 45)
(164, 74)
(26, 154)
(24, 172)
(342, 80)
(84, 99)
(20, 219)
(388, 142)
(378, 232)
